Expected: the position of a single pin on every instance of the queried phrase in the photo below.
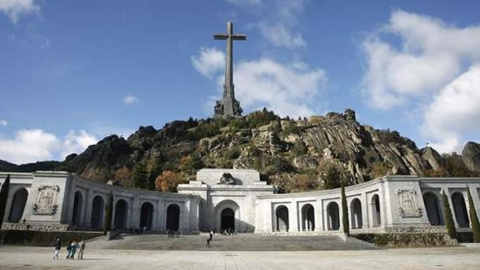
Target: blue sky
(73, 72)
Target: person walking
(73, 249)
(69, 249)
(81, 248)
(58, 246)
(211, 235)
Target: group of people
(71, 249)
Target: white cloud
(129, 100)
(15, 8)
(32, 145)
(77, 142)
(286, 89)
(454, 112)
(290, 89)
(3, 123)
(430, 55)
(209, 61)
(29, 145)
(245, 2)
(278, 21)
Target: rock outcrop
(471, 156)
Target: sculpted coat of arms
(407, 202)
(46, 201)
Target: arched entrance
(227, 216)
(356, 214)
(77, 208)
(97, 212)
(376, 214)
(146, 216)
(18, 205)
(434, 212)
(460, 210)
(227, 219)
(121, 211)
(308, 218)
(333, 216)
(173, 217)
(282, 219)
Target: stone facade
(237, 200)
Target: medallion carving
(46, 201)
(407, 203)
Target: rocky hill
(295, 155)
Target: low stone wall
(41, 238)
(44, 227)
(408, 239)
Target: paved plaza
(151, 252)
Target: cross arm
(239, 37)
(220, 36)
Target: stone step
(239, 242)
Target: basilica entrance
(227, 219)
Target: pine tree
(447, 213)
(107, 220)
(140, 176)
(3, 198)
(473, 218)
(346, 225)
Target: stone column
(87, 220)
(365, 211)
(161, 215)
(134, 215)
(293, 217)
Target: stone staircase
(239, 242)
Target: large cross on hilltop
(228, 106)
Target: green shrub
(447, 213)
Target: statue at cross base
(228, 106)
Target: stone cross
(228, 106)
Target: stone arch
(121, 214)
(224, 218)
(18, 205)
(333, 216)
(77, 208)
(460, 209)
(282, 221)
(356, 217)
(308, 217)
(98, 208)
(434, 210)
(173, 217)
(146, 216)
(376, 211)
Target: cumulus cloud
(432, 65)
(288, 89)
(77, 142)
(209, 61)
(29, 145)
(32, 145)
(278, 21)
(15, 8)
(129, 100)
(430, 55)
(3, 123)
(454, 113)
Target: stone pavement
(15, 257)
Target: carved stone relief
(46, 201)
(407, 203)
